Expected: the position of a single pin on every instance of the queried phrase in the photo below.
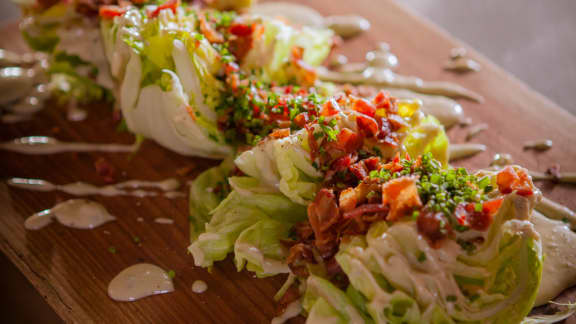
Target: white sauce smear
(84, 189)
(199, 287)
(75, 213)
(139, 281)
(47, 145)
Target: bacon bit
(312, 143)
(383, 100)
(359, 170)
(394, 165)
(367, 126)
(330, 108)
(510, 179)
(301, 119)
(433, 226)
(364, 107)
(554, 172)
(305, 74)
(347, 200)
(372, 163)
(292, 294)
(105, 169)
(109, 12)
(322, 214)
(184, 171)
(190, 112)
(396, 122)
(210, 33)
(298, 256)
(280, 133)
(342, 163)
(348, 141)
(481, 221)
(170, 4)
(401, 194)
(365, 209)
(244, 40)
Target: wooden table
(71, 268)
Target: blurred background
(533, 40)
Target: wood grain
(72, 268)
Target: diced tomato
(109, 12)
(170, 4)
(241, 30)
(329, 108)
(492, 206)
(364, 107)
(348, 141)
(301, 119)
(510, 179)
(367, 125)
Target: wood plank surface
(71, 268)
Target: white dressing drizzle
(84, 189)
(139, 281)
(199, 287)
(75, 213)
(48, 145)
(460, 151)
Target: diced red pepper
(109, 12)
(170, 4)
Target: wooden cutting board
(72, 268)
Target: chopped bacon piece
(367, 125)
(364, 107)
(105, 169)
(322, 214)
(209, 32)
(348, 200)
(170, 4)
(481, 220)
(396, 122)
(306, 74)
(383, 100)
(329, 108)
(109, 12)
(510, 179)
(244, 40)
(365, 209)
(401, 194)
(342, 163)
(372, 163)
(301, 119)
(280, 133)
(433, 226)
(348, 141)
(359, 170)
